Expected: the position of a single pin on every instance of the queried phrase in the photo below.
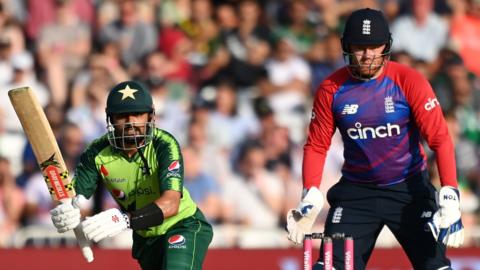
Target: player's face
(368, 59)
(130, 125)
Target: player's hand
(105, 224)
(66, 216)
(300, 220)
(446, 224)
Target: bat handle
(82, 240)
(83, 243)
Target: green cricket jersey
(124, 178)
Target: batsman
(142, 168)
(384, 111)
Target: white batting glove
(66, 216)
(105, 224)
(446, 224)
(300, 221)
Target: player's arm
(433, 127)
(446, 224)
(321, 129)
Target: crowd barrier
(217, 259)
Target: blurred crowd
(233, 81)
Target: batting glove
(300, 221)
(105, 224)
(446, 224)
(66, 216)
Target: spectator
(227, 126)
(102, 72)
(422, 34)
(289, 75)
(176, 47)
(465, 32)
(134, 37)
(297, 28)
(201, 29)
(248, 46)
(170, 114)
(11, 203)
(41, 13)
(62, 47)
(253, 188)
(23, 75)
(205, 191)
(324, 57)
(174, 12)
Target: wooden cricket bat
(47, 153)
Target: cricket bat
(46, 150)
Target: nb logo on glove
(306, 209)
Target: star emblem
(127, 92)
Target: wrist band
(149, 216)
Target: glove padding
(105, 224)
(66, 216)
(446, 224)
(300, 221)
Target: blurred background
(233, 81)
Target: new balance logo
(366, 27)
(337, 215)
(426, 214)
(350, 109)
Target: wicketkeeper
(382, 110)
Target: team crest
(366, 27)
(389, 105)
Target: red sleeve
(321, 130)
(433, 127)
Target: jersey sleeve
(433, 128)
(86, 174)
(320, 132)
(170, 163)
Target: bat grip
(81, 238)
(83, 243)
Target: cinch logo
(431, 103)
(350, 109)
(373, 132)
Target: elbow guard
(149, 216)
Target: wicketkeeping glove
(105, 224)
(66, 216)
(446, 224)
(300, 221)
